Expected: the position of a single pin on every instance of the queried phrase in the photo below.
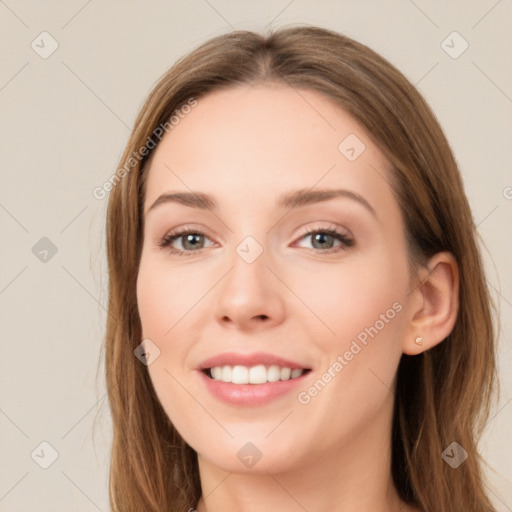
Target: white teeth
(273, 373)
(296, 373)
(255, 374)
(285, 373)
(258, 374)
(240, 375)
(226, 374)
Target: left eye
(324, 239)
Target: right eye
(191, 241)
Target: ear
(434, 304)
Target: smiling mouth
(259, 374)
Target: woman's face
(299, 298)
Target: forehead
(256, 140)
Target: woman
(298, 314)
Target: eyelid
(325, 225)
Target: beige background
(64, 122)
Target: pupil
(322, 238)
(189, 239)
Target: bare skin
(306, 297)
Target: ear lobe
(436, 304)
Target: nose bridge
(250, 250)
(248, 268)
(248, 293)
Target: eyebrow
(294, 199)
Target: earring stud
(419, 340)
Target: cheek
(164, 296)
(351, 297)
(364, 304)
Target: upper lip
(234, 359)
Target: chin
(252, 458)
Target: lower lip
(250, 394)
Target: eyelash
(346, 241)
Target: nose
(250, 297)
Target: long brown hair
(442, 395)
